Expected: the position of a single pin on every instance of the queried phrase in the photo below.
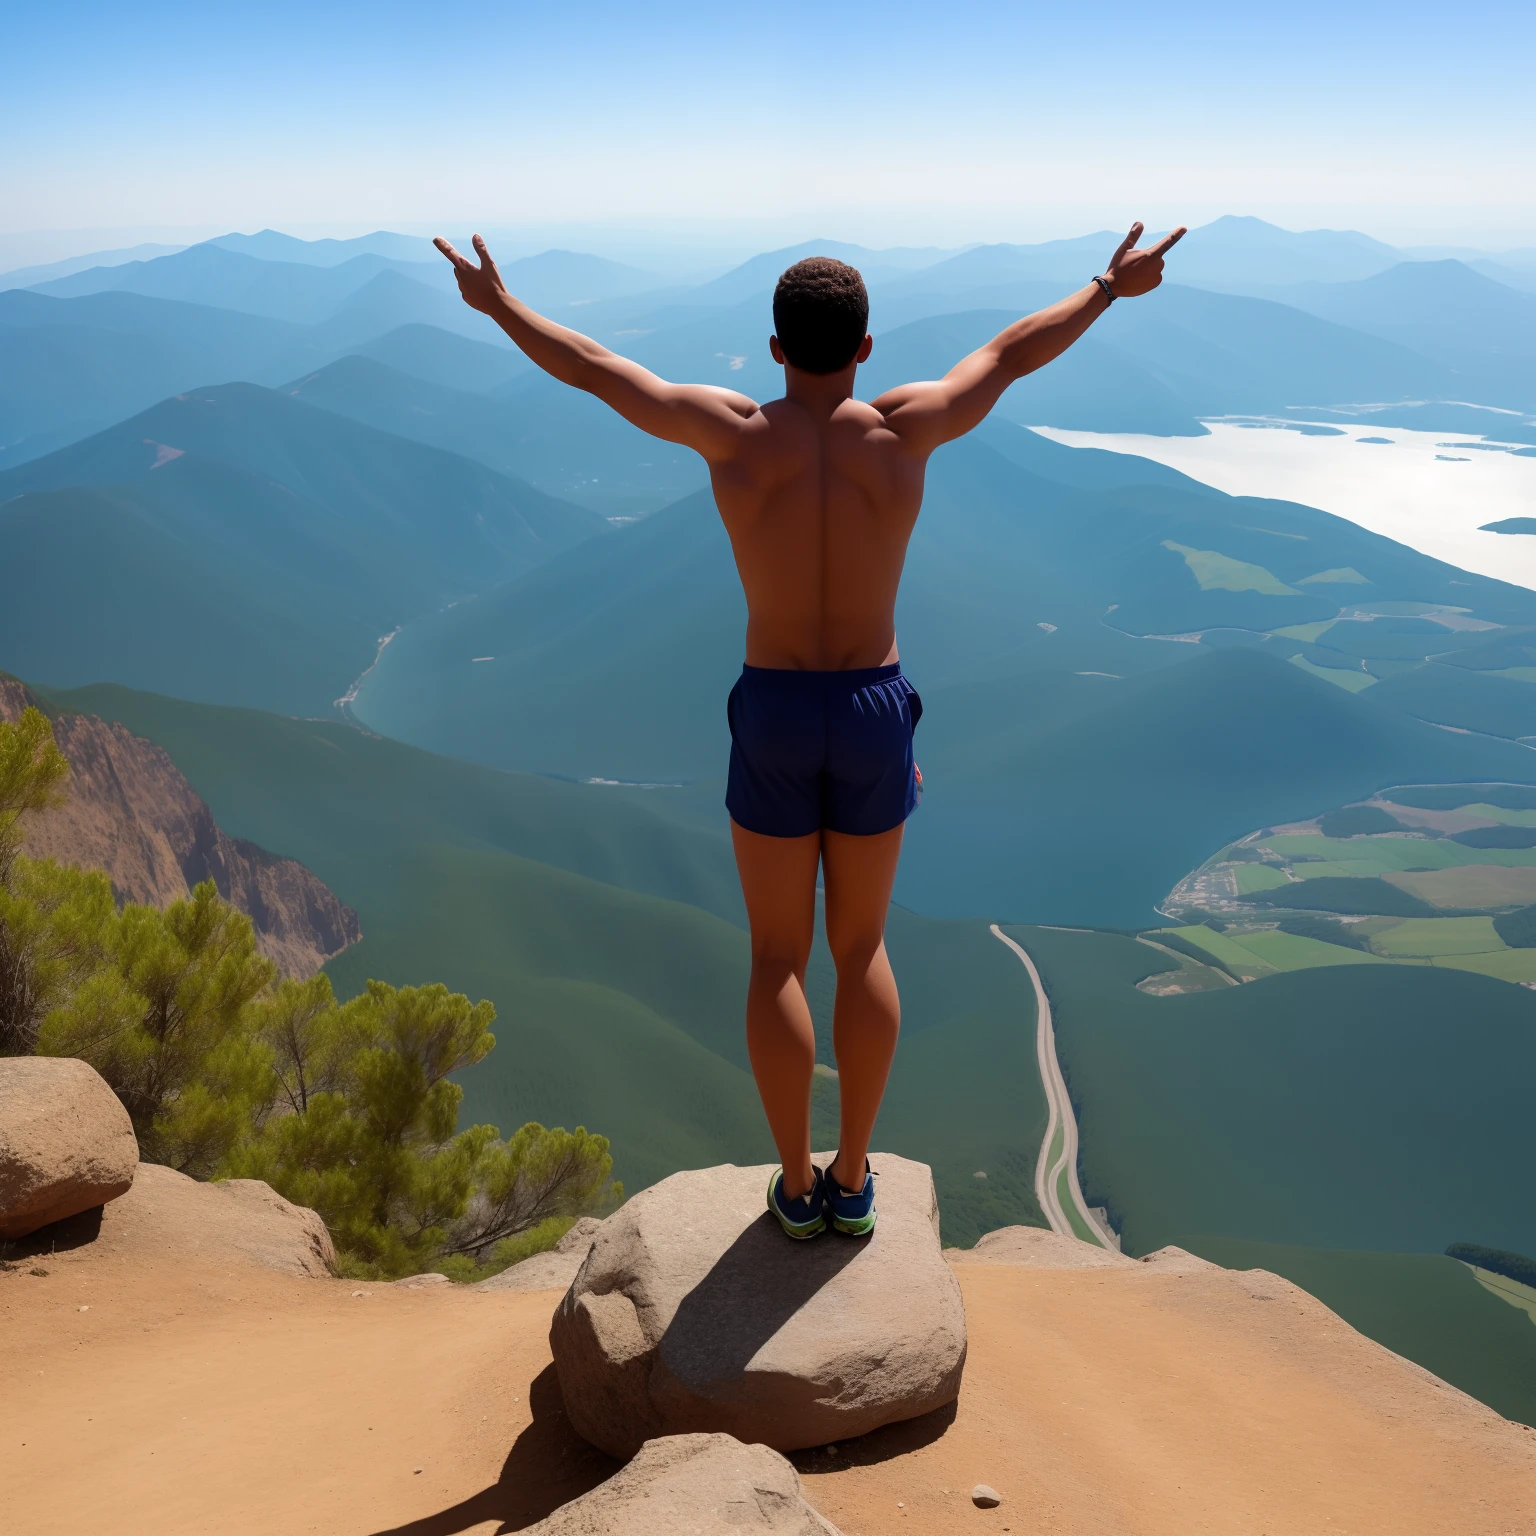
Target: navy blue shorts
(822, 749)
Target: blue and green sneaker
(804, 1217)
(853, 1213)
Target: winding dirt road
(1056, 1186)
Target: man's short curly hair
(820, 313)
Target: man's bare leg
(858, 874)
(778, 880)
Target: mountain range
(1318, 319)
(266, 492)
(288, 541)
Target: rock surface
(1037, 1248)
(66, 1143)
(1040, 1248)
(131, 812)
(551, 1271)
(167, 1218)
(694, 1312)
(693, 1485)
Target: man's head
(820, 315)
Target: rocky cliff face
(131, 813)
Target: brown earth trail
(166, 1393)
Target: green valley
(610, 939)
(1366, 1107)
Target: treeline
(1517, 928)
(228, 1072)
(1498, 1261)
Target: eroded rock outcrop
(551, 1271)
(131, 812)
(693, 1485)
(1037, 1248)
(166, 1218)
(1040, 1248)
(66, 1143)
(693, 1312)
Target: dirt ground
(176, 1396)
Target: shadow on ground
(879, 1444)
(56, 1237)
(549, 1465)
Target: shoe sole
(800, 1231)
(860, 1226)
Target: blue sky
(891, 122)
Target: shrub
(348, 1108)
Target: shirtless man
(819, 493)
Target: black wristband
(1109, 293)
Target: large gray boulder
(693, 1485)
(694, 1312)
(66, 1143)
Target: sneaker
(800, 1218)
(851, 1213)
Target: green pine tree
(349, 1108)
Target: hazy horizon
(710, 128)
(679, 251)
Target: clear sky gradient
(882, 123)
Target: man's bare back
(819, 493)
(819, 501)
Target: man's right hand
(1132, 272)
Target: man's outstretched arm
(929, 414)
(699, 416)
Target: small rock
(984, 1497)
(85, 1309)
(694, 1484)
(360, 1293)
(416, 1472)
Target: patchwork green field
(1437, 875)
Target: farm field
(1434, 875)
